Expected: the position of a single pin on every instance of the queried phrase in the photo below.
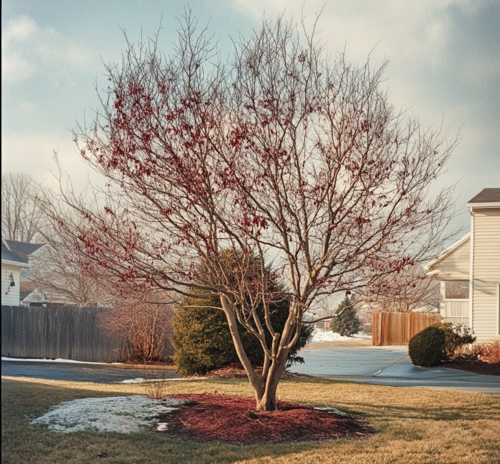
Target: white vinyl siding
(10, 295)
(456, 266)
(456, 311)
(486, 272)
(498, 315)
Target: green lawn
(415, 425)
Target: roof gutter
(15, 263)
(491, 204)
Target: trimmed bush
(455, 336)
(347, 323)
(426, 348)
(203, 342)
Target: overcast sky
(444, 66)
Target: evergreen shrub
(426, 348)
(203, 342)
(347, 322)
(455, 336)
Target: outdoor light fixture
(11, 283)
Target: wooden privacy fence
(399, 328)
(67, 332)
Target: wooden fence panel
(399, 328)
(68, 333)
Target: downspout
(471, 269)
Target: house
(469, 270)
(15, 260)
(17, 288)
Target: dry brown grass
(415, 425)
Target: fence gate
(399, 328)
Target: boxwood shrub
(455, 336)
(438, 341)
(426, 347)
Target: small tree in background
(347, 322)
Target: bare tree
(22, 219)
(61, 271)
(403, 292)
(281, 156)
(65, 276)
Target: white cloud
(25, 108)
(404, 27)
(28, 48)
(33, 154)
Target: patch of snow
(137, 380)
(141, 380)
(58, 360)
(322, 336)
(331, 410)
(120, 414)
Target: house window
(455, 290)
(456, 302)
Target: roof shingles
(487, 195)
(18, 252)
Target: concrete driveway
(388, 365)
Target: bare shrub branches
(144, 321)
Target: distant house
(17, 288)
(15, 261)
(469, 270)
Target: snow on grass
(136, 380)
(328, 336)
(120, 414)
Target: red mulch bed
(235, 370)
(472, 364)
(233, 420)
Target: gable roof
(25, 288)
(17, 253)
(447, 251)
(23, 249)
(487, 195)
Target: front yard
(414, 425)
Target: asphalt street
(76, 372)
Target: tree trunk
(265, 388)
(266, 401)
